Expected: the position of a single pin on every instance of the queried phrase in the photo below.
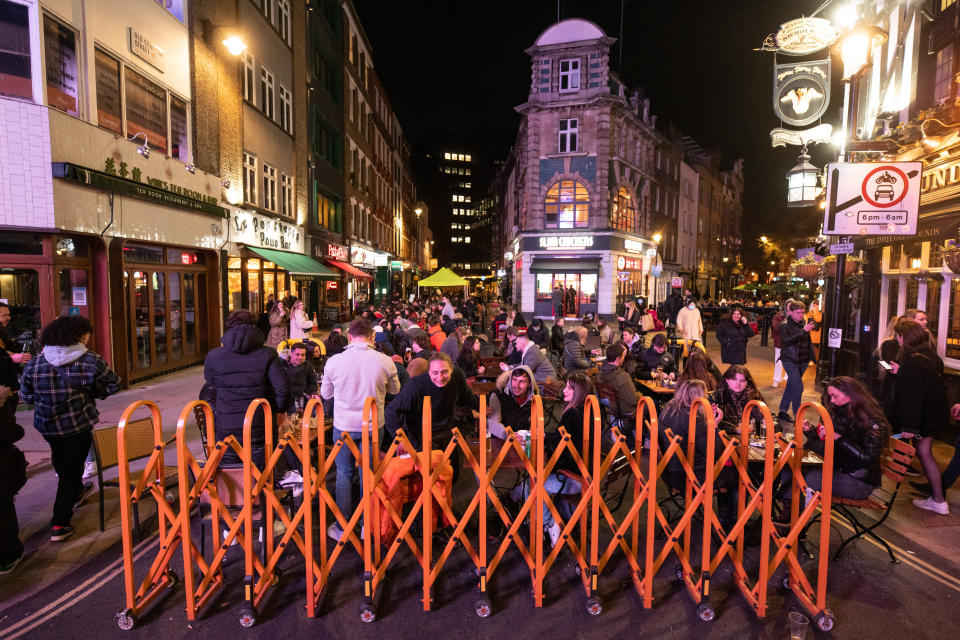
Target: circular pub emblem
(884, 187)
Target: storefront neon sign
(554, 243)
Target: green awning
(296, 263)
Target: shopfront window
(75, 292)
(893, 298)
(235, 283)
(253, 289)
(933, 306)
(159, 316)
(567, 205)
(190, 313)
(21, 290)
(176, 317)
(576, 290)
(913, 293)
(896, 253)
(141, 310)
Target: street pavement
(63, 587)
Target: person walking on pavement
(775, 324)
(13, 466)
(279, 325)
(689, 322)
(556, 298)
(300, 324)
(6, 344)
(795, 353)
(350, 378)
(672, 306)
(733, 333)
(63, 384)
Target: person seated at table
(606, 332)
(451, 346)
(574, 356)
(531, 357)
(509, 405)
(655, 358)
(612, 374)
(861, 434)
(335, 342)
(735, 390)
(575, 393)
(447, 388)
(700, 367)
(469, 359)
(675, 416)
(509, 347)
(435, 331)
(538, 334)
(591, 328)
(557, 337)
(420, 347)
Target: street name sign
(841, 247)
(872, 198)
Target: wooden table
(758, 454)
(483, 387)
(655, 387)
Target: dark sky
(459, 66)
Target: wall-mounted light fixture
(142, 150)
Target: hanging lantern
(802, 182)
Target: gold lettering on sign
(939, 177)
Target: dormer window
(570, 75)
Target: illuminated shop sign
(261, 231)
(331, 251)
(629, 264)
(633, 246)
(552, 243)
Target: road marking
(904, 556)
(71, 598)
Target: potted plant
(830, 266)
(951, 255)
(807, 267)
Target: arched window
(567, 205)
(623, 212)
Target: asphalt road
(870, 597)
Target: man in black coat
(13, 466)
(239, 372)
(673, 305)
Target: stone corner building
(589, 184)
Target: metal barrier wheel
(125, 620)
(482, 608)
(826, 621)
(174, 580)
(706, 612)
(786, 581)
(367, 613)
(248, 618)
(594, 606)
(678, 569)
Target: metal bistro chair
(140, 445)
(895, 463)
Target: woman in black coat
(920, 403)
(733, 332)
(538, 334)
(557, 336)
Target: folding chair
(139, 445)
(895, 463)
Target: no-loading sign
(885, 186)
(869, 198)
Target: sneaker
(59, 534)
(554, 532)
(775, 384)
(89, 469)
(291, 478)
(930, 505)
(87, 490)
(913, 473)
(335, 532)
(10, 566)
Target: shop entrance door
(578, 293)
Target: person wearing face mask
(689, 322)
(795, 352)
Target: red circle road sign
(885, 186)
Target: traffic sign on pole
(871, 198)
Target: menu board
(109, 113)
(146, 109)
(60, 53)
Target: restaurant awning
(351, 270)
(565, 265)
(296, 263)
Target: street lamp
(802, 182)
(418, 211)
(235, 45)
(763, 239)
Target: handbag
(646, 323)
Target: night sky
(459, 67)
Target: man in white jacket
(689, 322)
(350, 378)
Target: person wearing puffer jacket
(574, 357)
(63, 384)
(235, 374)
(509, 404)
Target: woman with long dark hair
(509, 346)
(736, 389)
(700, 367)
(733, 333)
(469, 359)
(920, 403)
